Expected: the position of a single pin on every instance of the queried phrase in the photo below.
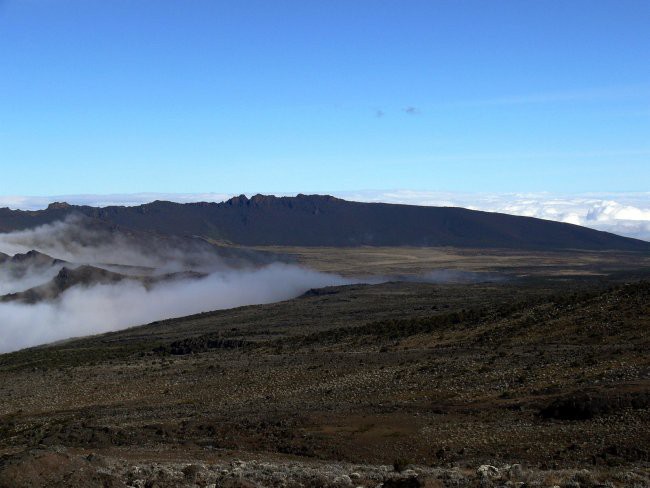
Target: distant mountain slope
(316, 220)
(85, 231)
(66, 278)
(20, 265)
(86, 275)
(11, 220)
(32, 258)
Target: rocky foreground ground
(523, 382)
(62, 467)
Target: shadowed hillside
(315, 220)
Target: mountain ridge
(87, 275)
(323, 220)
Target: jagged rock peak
(328, 198)
(58, 205)
(256, 200)
(238, 201)
(29, 256)
(259, 199)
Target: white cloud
(102, 308)
(82, 309)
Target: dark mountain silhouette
(317, 220)
(11, 220)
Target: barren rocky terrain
(529, 380)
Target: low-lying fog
(136, 278)
(89, 309)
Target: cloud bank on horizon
(626, 214)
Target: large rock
(488, 471)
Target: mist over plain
(86, 309)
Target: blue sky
(126, 96)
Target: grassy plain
(390, 261)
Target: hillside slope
(547, 373)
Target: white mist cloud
(32, 276)
(83, 310)
(80, 241)
(103, 308)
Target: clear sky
(287, 96)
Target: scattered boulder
(488, 471)
(342, 481)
